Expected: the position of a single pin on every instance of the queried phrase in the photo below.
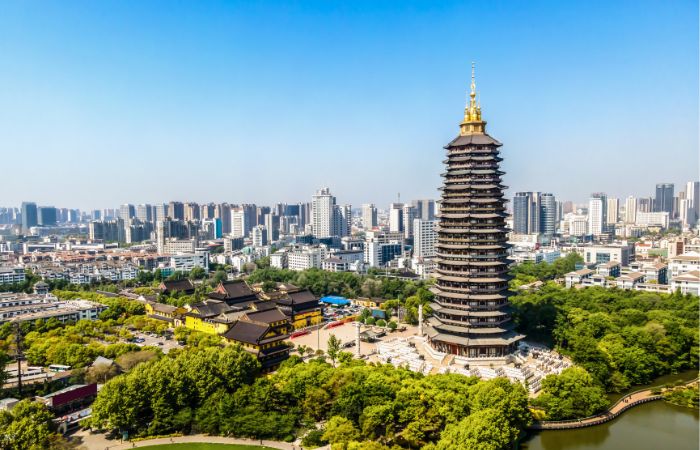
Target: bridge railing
(608, 414)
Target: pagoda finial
(472, 123)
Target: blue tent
(335, 300)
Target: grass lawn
(205, 446)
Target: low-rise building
(630, 280)
(11, 275)
(577, 277)
(687, 283)
(687, 262)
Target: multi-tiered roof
(471, 310)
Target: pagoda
(471, 312)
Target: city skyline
(230, 88)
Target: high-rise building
(272, 225)
(549, 215)
(144, 213)
(160, 212)
(29, 216)
(613, 211)
(259, 235)
(369, 216)
(598, 214)
(692, 193)
(47, 216)
(408, 215)
(239, 223)
(663, 201)
(396, 217)
(192, 211)
(645, 204)
(424, 238)
(424, 209)
(127, 211)
(322, 213)
(470, 308)
(176, 210)
(223, 212)
(535, 213)
(342, 220)
(630, 209)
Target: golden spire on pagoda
(472, 123)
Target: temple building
(471, 310)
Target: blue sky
(103, 103)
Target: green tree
(487, 429)
(572, 394)
(334, 345)
(28, 426)
(340, 431)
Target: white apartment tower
(322, 213)
(424, 238)
(597, 214)
(613, 210)
(630, 210)
(396, 217)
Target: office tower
(630, 209)
(548, 215)
(322, 210)
(272, 225)
(528, 213)
(597, 214)
(396, 217)
(96, 214)
(470, 308)
(424, 238)
(424, 209)
(127, 211)
(522, 205)
(144, 213)
(663, 201)
(369, 216)
(47, 216)
(29, 216)
(613, 211)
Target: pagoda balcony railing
(476, 257)
(470, 289)
(486, 273)
(477, 208)
(472, 322)
(471, 305)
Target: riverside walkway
(622, 405)
(98, 441)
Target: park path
(623, 404)
(98, 441)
